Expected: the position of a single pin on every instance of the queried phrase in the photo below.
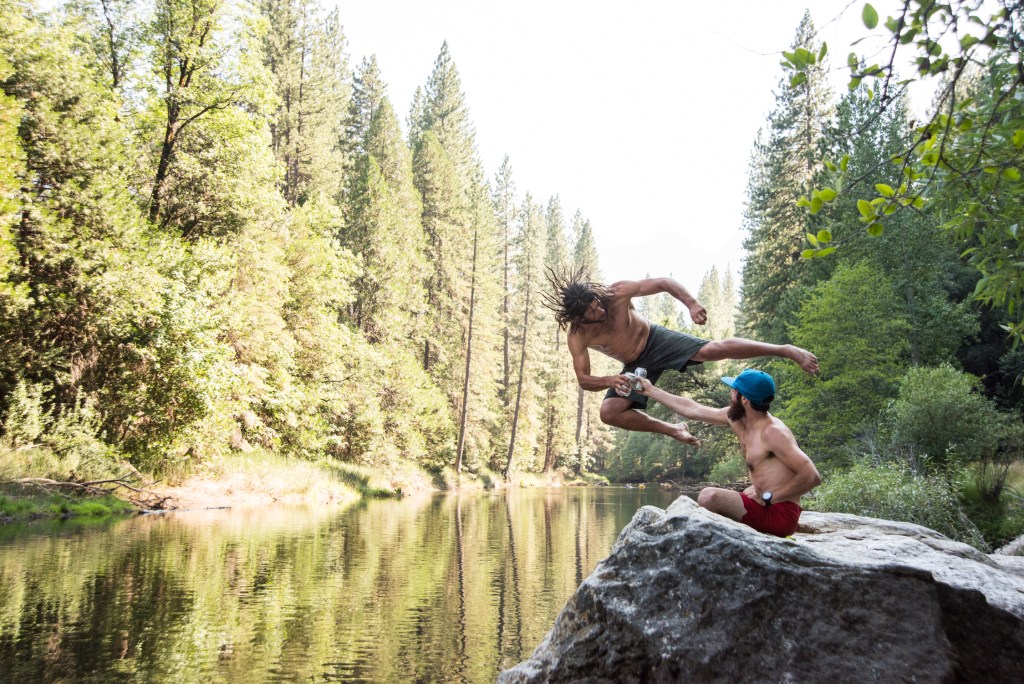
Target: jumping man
(603, 319)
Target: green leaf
(865, 208)
(827, 194)
(875, 229)
(892, 25)
(907, 36)
(807, 254)
(1011, 174)
(870, 16)
(852, 60)
(967, 41)
(812, 239)
(824, 236)
(803, 201)
(799, 79)
(1018, 138)
(844, 162)
(816, 205)
(825, 252)
(823, 51)
(918, 202)
(854, 82)
(884, 190)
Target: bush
(938, 415)
(997, 509)
(892, 491)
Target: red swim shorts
(780, 519)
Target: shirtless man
(603, 319)
(779, 469)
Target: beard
(736, 411)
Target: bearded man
(780, 472)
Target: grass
(24, 501)
(25, 505)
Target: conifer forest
(217, 236)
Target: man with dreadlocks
(603, 319)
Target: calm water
(439, 588)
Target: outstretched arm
(685, 406)
(649, 286)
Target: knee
(608, 413)
(708, 498)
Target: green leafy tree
(103, 317)
(966, 157)
(939, 416)
(203, 115)
(851, 322)
(921, 265)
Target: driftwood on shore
(138, 496)
(694, 487)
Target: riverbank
(36, 483)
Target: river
(438, 588)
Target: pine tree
(385, 232)
(457, 213)
(506, 214)
(590, 434)
(525, 420)
(557, 374)
(784, 167)
(305, 54)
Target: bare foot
(803, 358)
(682, 433)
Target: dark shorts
(665, 350)
(780, 519)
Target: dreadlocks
(571, 295)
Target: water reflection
(436, 588)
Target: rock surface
(688, 595)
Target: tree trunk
(519, 389)
(469, 357)
(579, 430)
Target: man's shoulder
(776, 428)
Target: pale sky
(641, 115)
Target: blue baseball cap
(755, 385)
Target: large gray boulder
(688, 595)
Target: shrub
(893, 492)
(938, 415)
